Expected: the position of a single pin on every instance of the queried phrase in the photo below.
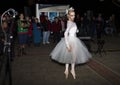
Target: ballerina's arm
(66, 34)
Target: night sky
(106, 7)
(17, 5)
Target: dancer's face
(71, 15)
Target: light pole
(7, 45)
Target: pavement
(37, 68)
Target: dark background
(105, 7)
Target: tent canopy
(53, 8)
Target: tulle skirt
(78, 55)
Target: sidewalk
(112, 57)
(37, 68)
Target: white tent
(51, 10)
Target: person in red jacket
(56, 29)
(42, 17)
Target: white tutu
(78, 55)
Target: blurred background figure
(36, 32)
(46, 30)
(22, 33)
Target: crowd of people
(28, 30)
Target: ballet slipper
(66, 74)
(73, 74)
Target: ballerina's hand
(69, 48)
